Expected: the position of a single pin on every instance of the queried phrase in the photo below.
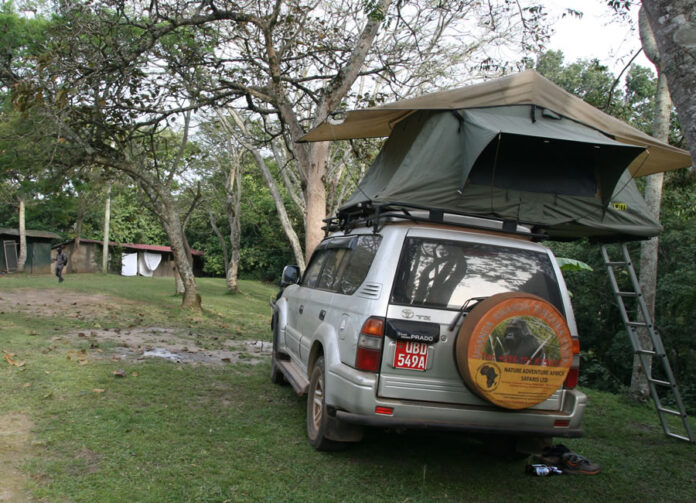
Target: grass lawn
(172, 432)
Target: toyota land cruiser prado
(414, 324)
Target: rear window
(445, 274)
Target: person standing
(61, 262)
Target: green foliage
(569, 264)
(131, 222)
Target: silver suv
(411, 324)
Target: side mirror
(290, 276)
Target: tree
(29, 157)
(653, 197)
(222, 173)
(111, 102)
(673, 24)
(297, 60)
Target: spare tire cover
(514, 350)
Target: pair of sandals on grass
(560, 457)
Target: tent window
(534, 164)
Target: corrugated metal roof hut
(38, 250)
(88, 255)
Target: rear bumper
(380, 421)
(352, 395)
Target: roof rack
(369, 214)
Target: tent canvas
(524, 88)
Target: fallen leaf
(8, 359)
(119, 373)
(134, 374)
(81, 334)
(226, 360)
(100, 351)
(33, 333)
(83, 362)
(98, 390)
(26, 384)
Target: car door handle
(301, 309)
(322, 314)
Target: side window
(341, 264)
(332, 267)
(358, 264)
(311, 275)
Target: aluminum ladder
(657, 351)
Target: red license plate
(411, 355)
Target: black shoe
(578, 465)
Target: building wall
(38, 254)
(87, 257)
(38, 257)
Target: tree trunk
(282, 212)
(107, 222)
(175, 232)
(22, 258)
(315, 196)
(76, 247)
(639, 388)
(221, 239)
(673, 23)
(234, 202)
(285, 223)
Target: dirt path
(15, 442)
(130, 344)
(135, 343)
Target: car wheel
(277, 376)
(317, 415)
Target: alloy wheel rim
(317, 403)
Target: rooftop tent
(519, 149)
(518, 163)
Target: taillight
(370, 345)
(571, 380)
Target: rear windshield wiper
(464, 310)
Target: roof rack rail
(369, 214)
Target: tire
(277, 376)
(317, 415)
(514, 350)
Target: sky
(598, 34)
